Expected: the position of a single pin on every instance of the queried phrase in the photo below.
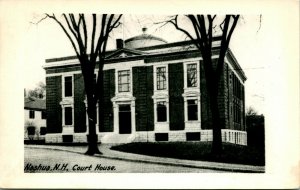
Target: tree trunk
(100, 88)
(91, 112)
(216, 125)
(92, 136)
(212, 90)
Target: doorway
(124, 119)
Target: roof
(236, 65)
(34, 104)
(131, 52)
(145, 37)
(183, 49)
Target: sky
(47, 40)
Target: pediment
(122, 53)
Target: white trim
(185, 64)
(75, 61)
(130, 64)
(159, 98)
(194, 97)
(61, 63)
(123, 99)
(232, 69)
(67, 102)
(161, 95)
(192, 93)
(117, 81)
(63, 86)
(64, 73)
(67, 129)
(155, 66)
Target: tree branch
(84, 30)
(116, 23)
(260, 20)
(36, 23)
(210, 27)
(235, 20)
(93, 57)
(175, 23)
(69, 25)
(76, 27)
(65, 31)
(99, 42)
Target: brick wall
(79, 105)
(205, 106)
(236, 100)
(53, 98)
(176, 104)
(143, 91)
(106, 114)
(226, 99)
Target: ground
(56, 161)
(200, 151)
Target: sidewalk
(112, 154)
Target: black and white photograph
(110, 93)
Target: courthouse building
(153, 91)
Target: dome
(143, 40)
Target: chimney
(120, 43)
(144, 30)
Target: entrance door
(124, 119)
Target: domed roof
(143, 40)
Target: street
(37, 160)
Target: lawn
(197, 151)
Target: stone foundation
(229, 136)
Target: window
(161, 78)
(67, 138)
(192, 110)
(161, 136)
(44, 115)
(124, 81)
(68, 86)
(31, 114)
(43, 131)
(192, 136)
(68, 116)
(161, 111)
(191, 75)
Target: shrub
(31, 132)
(43, 130)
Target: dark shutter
(106, 108)
(53, 98)
(79, 105)
(175, 96)
(143, 91)
(206, 121)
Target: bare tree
(37, 92)
(250, 111)
(88, 49)
(202, 37)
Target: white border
(281, 98)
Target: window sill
(161, 122)
(193, 121)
